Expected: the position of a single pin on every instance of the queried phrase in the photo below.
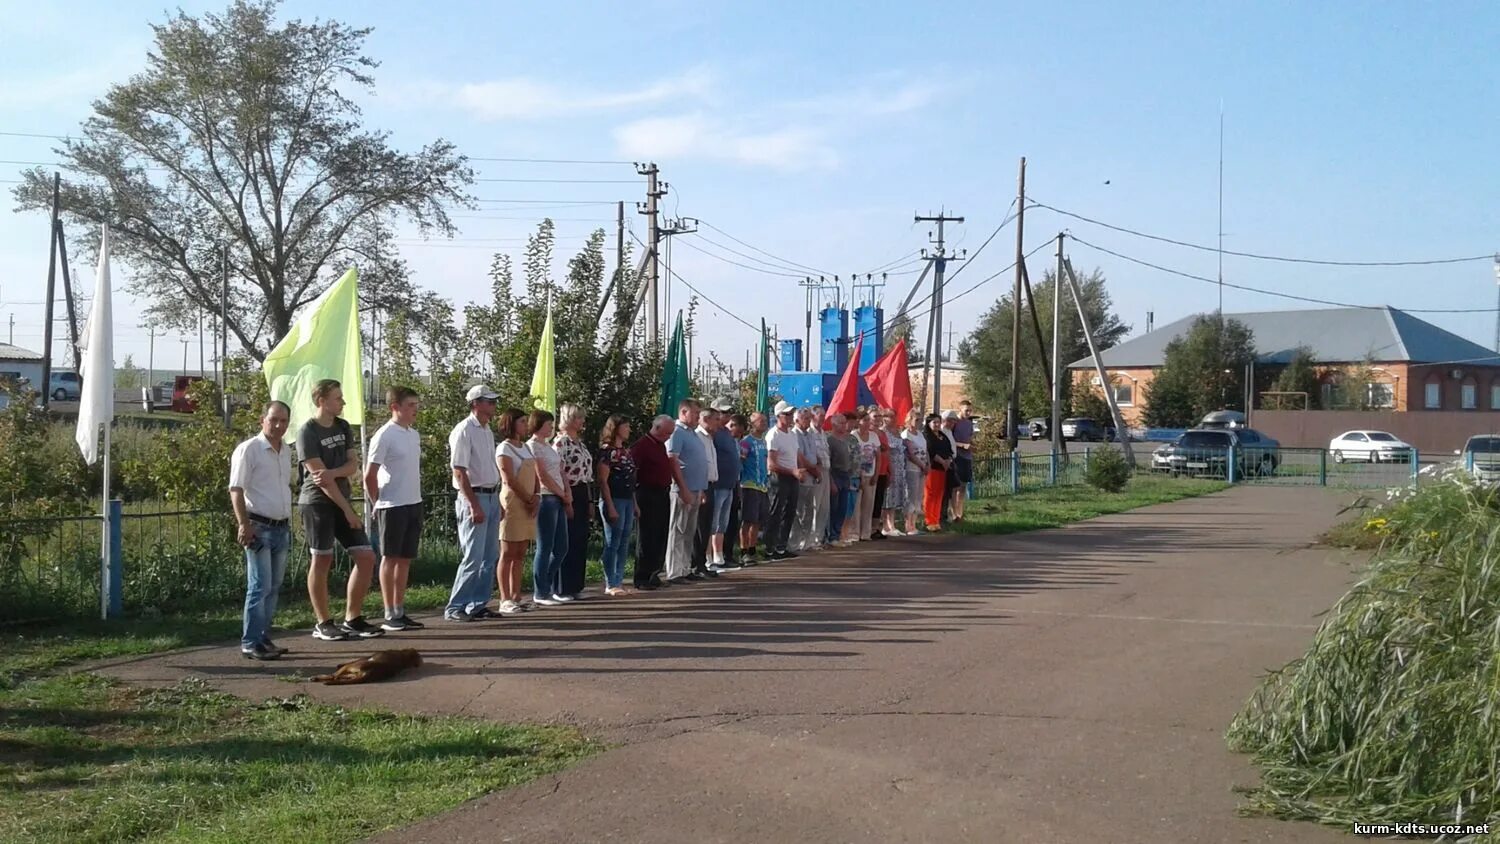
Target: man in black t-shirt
(325, 445)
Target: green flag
(544, 377)
(674, 372)
(762, 383)
(323, 343)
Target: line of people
(698, 496)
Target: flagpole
(105, 587)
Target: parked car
(65, 386)
(1205, 451)
(1369, 446)
(1083, 430)
(1223, 419)
(1039, 428)
(1481, 456)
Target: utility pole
(939, 262)
(619, 254)
(1055, 425)
(151, 371)
(1013, 407)
(12, 329)
(1497, 304)
(224, 342)
(202, 361)
(67, 276)
(654, 192)
(1121, 432)
(184, 355)
(51, 293)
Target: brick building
(1415, 366)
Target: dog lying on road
(372, 669)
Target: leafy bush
(1108, 470)
(1390, 716)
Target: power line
(1009, 216)
(731, 250)
(542, 160)
(898, 262)
(555, 181)
(689, 245)
(762, 251)
(736, 317)
(1277, 293)
(1260, 257)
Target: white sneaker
(509, 608)
(542, 601)
(562, 599)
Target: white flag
(96, 405)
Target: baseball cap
(784, 407)
(480, 391)
(950, 414)
(721, 403)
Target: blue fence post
(1052, 469)
(113, 587)
(1231, 467)
(1322, 467)
(1416, 467)
(1015, 472)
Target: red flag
(890, 383)
(846, 397)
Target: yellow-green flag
(544, 378)
(323, 343)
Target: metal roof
(1336, 335)
(9, 352)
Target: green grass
(1051, 507)
(86, 760)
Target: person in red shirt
(655, 473)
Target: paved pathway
(1068, 685)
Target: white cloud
(699, 136)
(526, 98)
(869, 101)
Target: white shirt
(549, 462)
(264, 475)
(471, 447)
(783, 447)
(713, 455)
(820, 445)
(398, 450)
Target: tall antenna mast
(1221, 207)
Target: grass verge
(1052, 507)
(85, 760)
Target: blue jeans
(265, 566)
(838, 495)
(616, 539)
(480, 548)
(551, 548)
(719, 517)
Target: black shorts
(752, 506)
(324, 524)
(964, 469)
(398, 531)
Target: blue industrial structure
(805, 387)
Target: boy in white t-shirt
(393, 482)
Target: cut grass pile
(85, 760)
(1391, 715)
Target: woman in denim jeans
(617, 505)
(552, 517)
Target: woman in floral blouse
(617, 507)
(578, 473)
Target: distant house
(1416, 366)
(18, 364)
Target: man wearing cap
(963, 456)
(788, 466)
(687, 450)
(476, 477)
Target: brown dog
(372, 669)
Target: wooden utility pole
(938, 260)
(51, 293)
(1013, 407)
(1055, 428)
(654, 192)
(224, 343)
(1121, 433)
(67, 277)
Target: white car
(1370, 447)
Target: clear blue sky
(1354, 131)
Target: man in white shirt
(822, 483)
(708, 423)
(260, 488)
(687, 449)
(393, 480)
(788, 466)
(802, 525)
(476, 477)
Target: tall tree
(241, 133)
(1204, 371)
(986, 352)
(1298, 376)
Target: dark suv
(1205, 451)
(1084, 430)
